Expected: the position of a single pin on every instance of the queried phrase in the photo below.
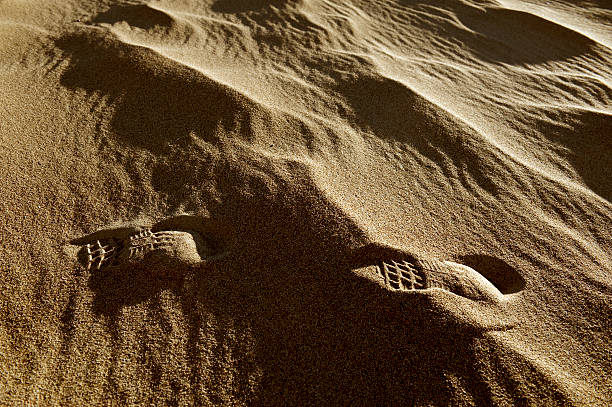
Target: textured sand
(304, 142)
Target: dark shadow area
(116, 288)
(587, 136)
(501, 274)
(580, 137)
(325, 337)
(162, 102)
(68, 323)
(136, 15)
(498, 35)
(518, 37)
(394, 112)
(241, 6)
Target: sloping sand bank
(231, 202)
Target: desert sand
(305, 202)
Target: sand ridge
(310, 202)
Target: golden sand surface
(305, 202)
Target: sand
(306, 202)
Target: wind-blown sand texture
(309, 202)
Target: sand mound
(305, 202)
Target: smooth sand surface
(259, 182)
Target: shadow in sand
(518, 37)
(118, 288)
(140, 15)
(501, 35)
(392, 111)
(241, 6)
(501, 274)
(586, 136)
(159, 102)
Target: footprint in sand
(399, 271)
(171, 245)
(428, 274)
(145, 248)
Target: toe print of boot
(431, 274)
(397, 270)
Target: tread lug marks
(101, 254)
(402, 276)
(171, 247)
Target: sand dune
(296, 202)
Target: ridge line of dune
(475, 69)
(300, 115)
(566, 107)
(505, 4)
(568, 183)
(177, 15)
(581, 75)
(159, 50)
